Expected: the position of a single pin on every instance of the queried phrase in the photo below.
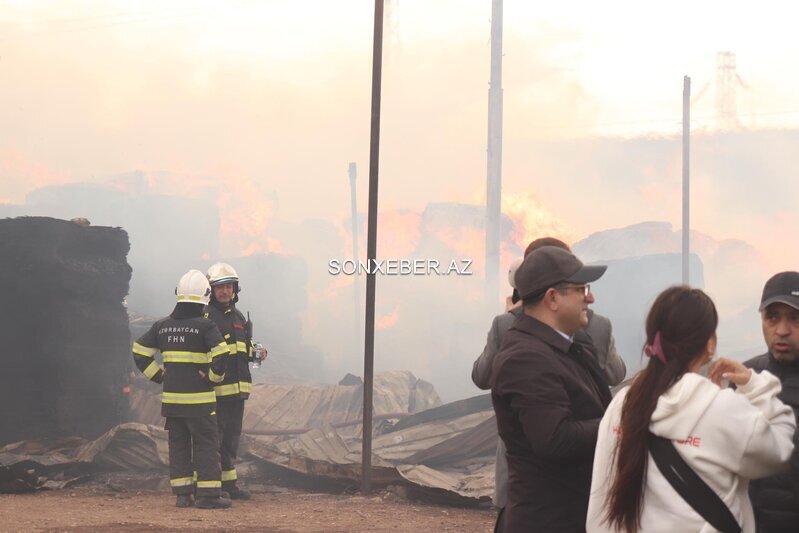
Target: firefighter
(195, 356)
(235, 388)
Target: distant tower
(727, 81)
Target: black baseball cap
(781, 288)
(548, 266)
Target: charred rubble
(306, 436)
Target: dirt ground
(84, 509)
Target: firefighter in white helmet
(235, 389)
(195, 356)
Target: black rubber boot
(184, 500)
(239, 494)
(212, 503)
(222, 494)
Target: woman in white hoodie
(727, 437)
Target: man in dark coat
(776, 499)
(597, 337)
(549, 395)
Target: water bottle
(257, 350)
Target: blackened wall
(64, 337)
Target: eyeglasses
(584, 289)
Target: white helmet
(220, 273)
(193, 288)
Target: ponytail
(678, 327)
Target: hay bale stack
(64, 337)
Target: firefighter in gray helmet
(195, 357)
(235, 388)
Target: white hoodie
(728, 437)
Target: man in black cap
(549, 395)
(776, 499)
(597, 336)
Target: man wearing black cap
(776, 499)
(597, 337)
(549, 395)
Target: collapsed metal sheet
(446, 452)
(130, 446)
(321, 453)
(295, 408)
(472, 485)
(456, 443)
(55, 463)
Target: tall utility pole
(371, 252)
(686, 189)
(353, 171)
(494, 159)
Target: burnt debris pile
(63, 328)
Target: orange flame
(397, 236)
(244, 210)
(244, 214)
(400, 231)
(532, 220)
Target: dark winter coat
(549, 396)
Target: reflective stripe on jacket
(188, 347)
(233, 327)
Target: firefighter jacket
(188, 346)
(238, 333)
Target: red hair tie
(656, 349)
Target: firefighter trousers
(194, 455)
(229, 416)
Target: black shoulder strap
(690, 486)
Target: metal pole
(494, 157)
(353, 171)
(686, 189)
(371, 253)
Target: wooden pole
(371, 252)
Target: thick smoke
(431, 325)
(257, 146)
